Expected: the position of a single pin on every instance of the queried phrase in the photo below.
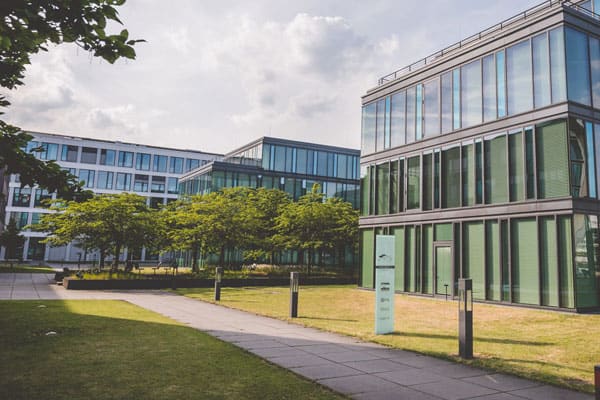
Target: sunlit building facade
(104, 167)
(482, 161)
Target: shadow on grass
(104, 357)
(329, 319)
(477, 339)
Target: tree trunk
(117, 254)
(195, 259)
(102, 257)
(222, 257)
(310, 257)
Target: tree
(11, 240)
(27, 27)
(106, 223)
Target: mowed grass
(114, 350)
(554, 347)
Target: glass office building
(481, 161)
(273, 163)
(104, 167)
(291, 166)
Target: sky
(215, 75)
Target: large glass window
(495, 171)
(172, 186)
(530, 162)
(380, 125)
(49, 152)
(69, 153)
(369, 124)
(468, 174)
(451, 177)
(516, 168)
(394, 188)
(160, 163)
(123, 181)
(557, 65)
(456, 98)
(413, 183)
(20, 218)
(501, 82)
(419, 113)
(578, 67)
(427, 181)
(519, 78)
(142, 161)
(87, 176)
(125, 159)
(525, 262)
(447, 102)
(489, 88)
(595, 70)
(552, 160)
(587, 242)
(432, 107)
(577, 151)
(191, 164)
(386, 134)
(89, 155)
(176, 165)
(140, 183)
(301, 161)
(158, 184)
(549, 262)
(365, 190)
(105, 180)
(383, 189)
(410, 114)
(279, 162)
(541, 70)
(107, 157)
(398, 119)
(474, 256)
(470, 79)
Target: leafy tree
(106, 223)
(27, 27)
(11, 240)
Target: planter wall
(80, 284)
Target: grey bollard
(465, 318)
(218, 278)
(294, 286)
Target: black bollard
(294, 286)
(465, 318)
(218, 277)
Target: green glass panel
(474, 256)
(394, 199)
(451, 177)
(552, 160)
(400, 258)
(516, 167)
(410, 259)
(530, 163)
(417, 266)
(427, 181)
(443, 232)
(365, 189)
(506, 295)
(443, 265)
(492, 255)
(468, 175)
(525, 271)
(565, 253)
(383, 189)
(368, 253)
(414, 183)
(496, 173)
(427, 261)
(548, 261)
(586, 245)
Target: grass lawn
(32, 269)
(114, 350)
(558, 348)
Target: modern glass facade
(490, 172)
(293, 167)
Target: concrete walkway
(358, 369)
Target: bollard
(294, 286)
(218, 277)
(465, 318)
(597, 381)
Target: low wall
(81, 284)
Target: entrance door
(443, 266)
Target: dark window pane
(123, 181)
(105, 180)
(427, 181)
(172, 186)
(107, 157)
(160, 163)
(447, 102)
(552, 159)
(142, 161)
(125, 159)
(468, 174)
(451, 177)
(516, 168)
(69, 153)
(369, 123)
(414, 183)
(557, 65)
(578, 67)
(89, 155)
(176, 166)
(496, 171)
(383, 189)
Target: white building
(105, 167)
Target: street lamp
(218, 278)
(294, 287)
(465, 318)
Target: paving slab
(362, 370)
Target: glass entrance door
(443, 265)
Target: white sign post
(384, 284)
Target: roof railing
(478, 36)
